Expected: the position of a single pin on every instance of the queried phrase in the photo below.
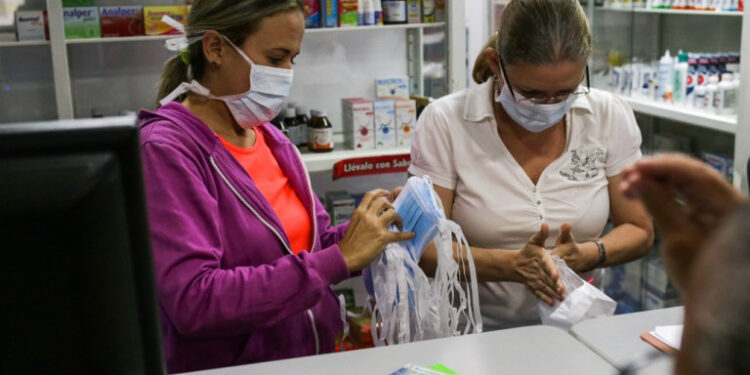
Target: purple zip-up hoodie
(230, 290)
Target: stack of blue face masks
(407, 305)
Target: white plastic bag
(582, 301)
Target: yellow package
(152, 19)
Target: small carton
(440, 11)
(312, 13)
(330, 13)
(406, 121)
(121, 21)
(152, 19)
(359, 128)
(428, 11)
(392, 88)
(340, 206)
(414, 11)
(349, 13)
(385, 123)
(32, 25)
(82, 22)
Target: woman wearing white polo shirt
(529, 161)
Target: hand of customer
(688, 200)
(368, 233)
(579, 257)
(534, 268)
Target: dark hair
(235, 19)
(538, 32)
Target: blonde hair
(232, 18)
(538, 32)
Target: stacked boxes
(406, 121)
(359, 129)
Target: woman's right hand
(534, 268)
(368, 233)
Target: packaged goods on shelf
(312, 13)
(8, 37)
(414, 11)
(320, 132)
(428, 11)
(722, 163)
(329, 10)
(392, 87)
(359, 128)
(152, 16)
(385, 123)
(340, 206)
(440, 11)
(82, 22)
(32, 25)
(119, 21)
(406, 121)
(348, 13)
(395, 12)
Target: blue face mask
(417, 207)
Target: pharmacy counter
(618, 340)
(521, 351)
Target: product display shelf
(321, 162)
(24, 43)
(726, 124)
(149, 38)
(709, 13)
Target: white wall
(477, 24)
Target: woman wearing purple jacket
(244, 252)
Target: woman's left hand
(394, 194)
(579, 257)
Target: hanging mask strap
(344, 320)
(185, 87)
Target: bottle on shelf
(700, 101)
(725, 101)
(680, 79)
(711, 89)
(291, 124)
(320, 132)
(303, 122)
(691, 80)
(369, 12)
(378, 12)
(395, 12)
(665, 75)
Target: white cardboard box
(359, 128)
(406, 121)
(385, 123)
(30, 25)
(392, 87)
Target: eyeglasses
(546, 99)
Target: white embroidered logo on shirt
(585, 164)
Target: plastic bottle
(369, 12)
(733, 62)
(303, 121)
(713, 66)
(726, 95)
(700, 97)
(681, 79)
(320, 132)
(691, 80)
(395, 12)
(361, 11)
(711, 89)
(378, 11)
(291, 124)
(702, 70)
(665, 75)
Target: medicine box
(152, 19)
(31, 25)
(340, 205)
(330, 13)
(392, 87)
(312, 13)
(406, 121)
(82, 22)
(428, 11)
(414, 11)
(385, 123)
(121, 21)
(359, 128)
(348, 13)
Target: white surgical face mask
(535, 118)
(269, 90)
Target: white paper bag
(582, 301)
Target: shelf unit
(65, 52)
(321, 162)
(674, 11)
(726, 124)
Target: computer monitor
(76, 270)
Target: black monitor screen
(76, 273)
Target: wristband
(602, 254)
